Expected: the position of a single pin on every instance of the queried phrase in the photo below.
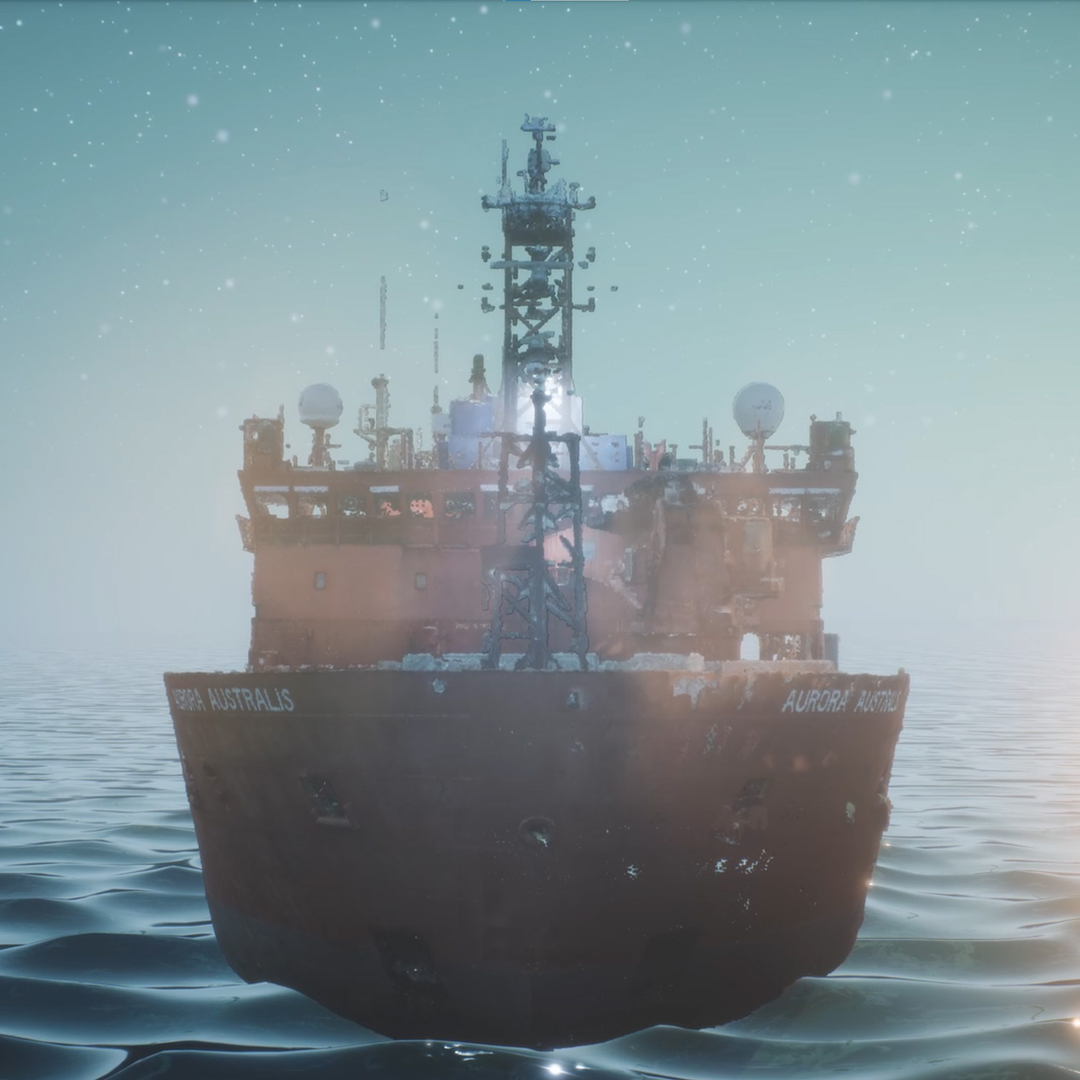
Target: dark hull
(539, 859)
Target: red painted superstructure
(372, 565)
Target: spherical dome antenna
(758, 409)
(320, 406)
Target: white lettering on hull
(233, 699)
(833, 701)
(188, 700)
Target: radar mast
(538, 271)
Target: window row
(455, 505)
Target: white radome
(758, 408)
(320, 405)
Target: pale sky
(870, 205)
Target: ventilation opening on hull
(326, 807)
(406, 959)
(753, 793)
(882, 803)
(537, 832)
(216, 786)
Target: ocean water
(967, 966)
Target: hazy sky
(872, 205)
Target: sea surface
(967, 966)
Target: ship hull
(537, 858)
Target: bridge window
(459, 505)
(352, 506)
(312, 506)
(389, 504)
(271, 503)
(320, 579)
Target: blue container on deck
(472, 452)
(469, 417)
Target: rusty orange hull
(537, 858)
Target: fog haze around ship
(871, 206)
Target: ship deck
(568, 662)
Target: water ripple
(967, 966)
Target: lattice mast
(538, 392)
(522, 577)
(538, 275)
